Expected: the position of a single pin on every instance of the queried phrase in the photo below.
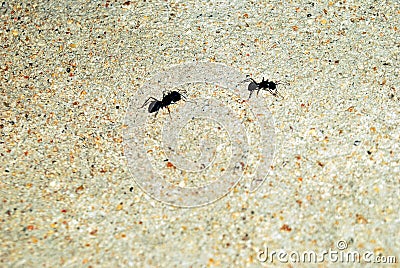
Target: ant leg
(276, 93)
(151, 98)
(184, 92)
(258, 91)
(280, 95)
(282, 83)
(273, 93)
(185, 98)
(169, 112)
(251, 92)
(248, 79)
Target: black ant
(265, 85)
(171, 98)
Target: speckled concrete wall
(76, 188)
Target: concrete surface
(70, 70)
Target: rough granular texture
(69, 70)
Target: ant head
(272, 85)
(175, 96)
(174, 93)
